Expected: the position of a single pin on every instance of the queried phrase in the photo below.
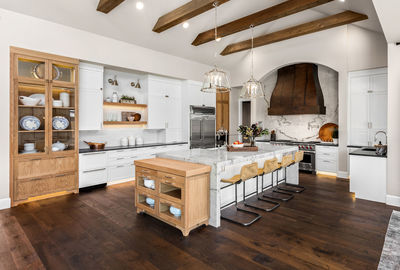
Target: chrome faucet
(383, 132)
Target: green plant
(253, 131)
(125, 97)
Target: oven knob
(307, 147)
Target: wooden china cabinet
(45, 170)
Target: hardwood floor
(322, 228)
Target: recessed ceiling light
(342, 0)
(218, 39)
(185, 25)
(139, 5)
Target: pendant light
(252, 88)
(216, 80)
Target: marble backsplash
(300, 127)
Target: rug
(390, 257)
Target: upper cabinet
(367, 105)
(91, 96)
(164, 103)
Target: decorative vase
(252, 141)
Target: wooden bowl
(326, 131)
(96, 146)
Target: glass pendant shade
(216, 81)
(252, 89)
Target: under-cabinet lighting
(185, 25)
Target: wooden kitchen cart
(183, 185)
(46, 170)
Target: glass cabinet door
(63, 121)
(31, 118)
(63, 74)
(31, 69)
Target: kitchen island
(225, 164)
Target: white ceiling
(388, 12)
(128, 24)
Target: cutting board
(242, 149)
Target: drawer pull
(36, 159)
(92, 154)
(36, 179)
(168, 182)
(120, 158)
(59, 157)
(121, 166)
(168, 177)
(62, 175)
(97, 170)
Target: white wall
(343, 49)
(393, 176)
(32, 33)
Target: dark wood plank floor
(322, 228)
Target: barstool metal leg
(256, 216)
(288, 196)
(275, 204)
(286, 187)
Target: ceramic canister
(64, 97)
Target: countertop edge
(113, 148)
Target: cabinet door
(378, 102)
(209, 99)
(91, 110)
(157, 112)
(359, 107)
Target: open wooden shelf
(64, 108)
(127, 123)
(26, 106)
(63, 130)
(125, 105)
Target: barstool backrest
(270, 165)
(249, 171)
(286, 160)
(298, 156)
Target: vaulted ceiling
(128, 24)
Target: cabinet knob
(166, 96)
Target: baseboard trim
(5, 203)
(342, 174)
(393, 200)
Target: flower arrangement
(252, 132)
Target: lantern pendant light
(252, 88)
(216, 80)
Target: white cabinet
(92, 169)
(326, 158)
(108, 166)
(90, 97)
(367, 105)
(164, 103)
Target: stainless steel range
(308, 162)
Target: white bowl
(238, 145)
(149, 183)
(175, 211)
(57, 103)
(150, 201)
(27, 101)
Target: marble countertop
(223, 157)
(366, 153)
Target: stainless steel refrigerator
(202, 127)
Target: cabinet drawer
(92, 160)
(142, 204)
(140, 171)
(41, 186)
(326, 165)
(327, 156)
(172, 179)
(41, 167)
(121, 172)
(165, 214)
(92, 177)
(119, 154)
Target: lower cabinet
(175, 192)
(326, 158)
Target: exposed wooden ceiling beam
(106, 6)
(264, 16)
(340, 19)
(184, 13)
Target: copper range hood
(297, 91)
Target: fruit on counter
(237, 143)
